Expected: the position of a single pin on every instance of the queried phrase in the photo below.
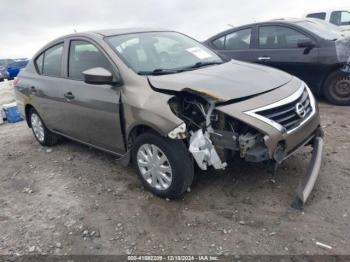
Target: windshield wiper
(160, 71)
(201, 64)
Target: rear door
(277, 46)
(91, 111)
(45, 87)
(234, 45)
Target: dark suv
(307, 48)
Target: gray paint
(227, 81)
(94, 116)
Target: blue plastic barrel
(12, 114)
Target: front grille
(286, 115)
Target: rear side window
(238, 40)
(321, 16)
(39, 62)
(279, 37)
(53, 61)
(83, 56)
(49, 62)
(234, 41)
(220, 42)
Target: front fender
(152, 111)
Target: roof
(278, 20)
(121, 31)
(288, 20)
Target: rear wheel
(337, 89)
(43, 135)
(163, 164)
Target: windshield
(166, 52)
(322, 29)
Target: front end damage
(214, 137)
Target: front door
(278, 47)
(91, 111)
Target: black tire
(49, 138)
(178, 157)
(337, 89)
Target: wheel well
(333, 70)
(136, 131)
(27, 110)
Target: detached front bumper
(308, 181)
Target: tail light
(15, 81)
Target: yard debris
(85, 233)
(49, 150)
(323, 245)
(31, 249)
(27, 190)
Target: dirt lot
(76, 200)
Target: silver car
(166, 103)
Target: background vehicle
(337, 17)
(3, 73)
(13, 68)
(306, 48)
(166, 102)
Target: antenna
(75, 30)
(230, 25)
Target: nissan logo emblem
(300, 110)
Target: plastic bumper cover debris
(204, 152)
(307, 183)
(179, 132)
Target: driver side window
(280, 37)
(83, 56)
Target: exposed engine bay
(213, 137)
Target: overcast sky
(27, 25)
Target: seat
(270, 41)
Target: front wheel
(43, 135)
(164, 165)
(337, 89)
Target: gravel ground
(71, 199)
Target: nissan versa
(166, 103)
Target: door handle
(264, 58)
(33, 90)
(69, 96)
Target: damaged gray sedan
(166, 103)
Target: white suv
(339, 17)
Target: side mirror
(98, 76)
(306, 44)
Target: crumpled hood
(342, 47)
(231, 80)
